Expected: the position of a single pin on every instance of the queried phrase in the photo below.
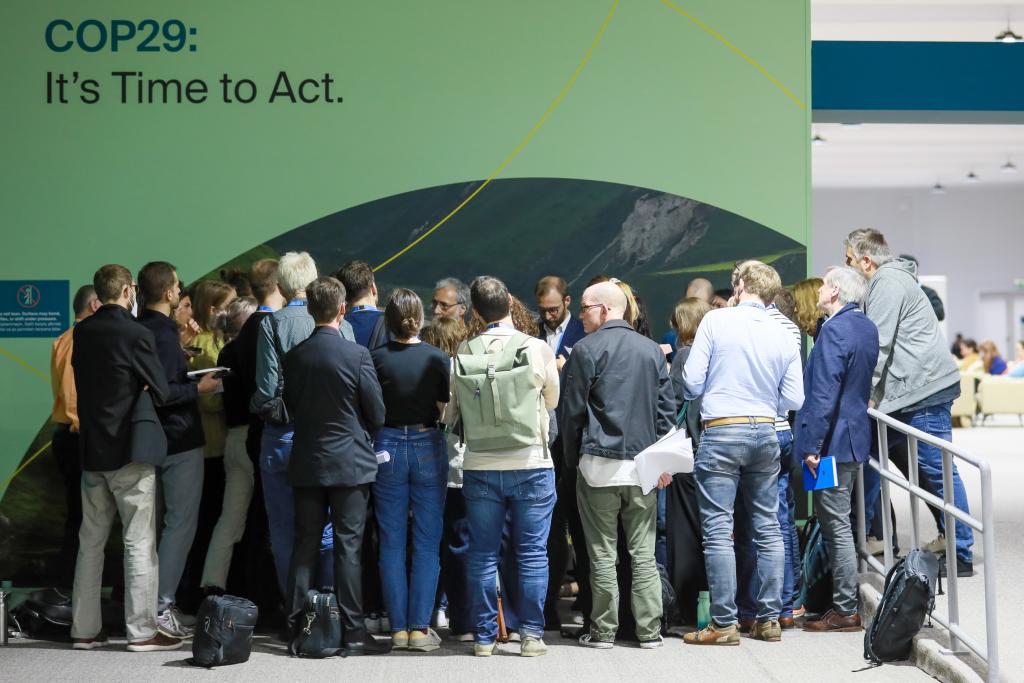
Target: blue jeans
(936, 421)
(275, 451)
(529, 495)
(740, 461)
(747, 584)
(416, 478)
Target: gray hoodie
(913, 360)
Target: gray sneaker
(186, 620)
(167, 623)
(532, 647)
(424, 642)
(652, 643)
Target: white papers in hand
(671, 454)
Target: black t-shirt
(413, 379)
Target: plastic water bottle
(703, 609)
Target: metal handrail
(986, 526)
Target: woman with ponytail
(414, 379)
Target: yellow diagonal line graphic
(25, 364)
(747, 58)
(25, 464)
(529, 136)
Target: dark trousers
(346, 506)
(454, 555)
(570, 508)
(65, 454)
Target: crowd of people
(430, 470)
(986, 359)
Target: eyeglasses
(586, 307)
(444, 306)
(552, 310)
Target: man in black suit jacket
(115, 362)
(334, 396)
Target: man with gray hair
(279, 332)
(746, 368)
(834, 422)
(451, 299)
(618, 401)
(915, 380)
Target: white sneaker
(874, 546)
(463, 637)
(186, 620)
(937, 546)
(424, 642)
(440, 619)
(652, 643)
(167, 623)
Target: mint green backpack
(499, 400)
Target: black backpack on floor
(224, 627)
(319, 628)
(908, 598)
(817, 569)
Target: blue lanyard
(297, 302)
(268, 309)
(493, 325)
(368, 307)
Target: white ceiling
(915, 155)
(947, 20)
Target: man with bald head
(617, 401)
(701, 288)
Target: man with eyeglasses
(451, 299)
(559, 328)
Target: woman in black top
(414, 379)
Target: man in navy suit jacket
(333, 394)
(834, 422)
(558, 326)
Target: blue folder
(827, 477)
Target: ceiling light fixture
(1007, 35)
(972, 177)
(1008, 167)
(937, 188)
(817, 140)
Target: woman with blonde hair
(683, 535)
(807, 315)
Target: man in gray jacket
(617, 401)
(916, 379)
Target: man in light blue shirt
(748, 371)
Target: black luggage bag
(224, 629)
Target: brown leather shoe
(769, 631)
(834, 622)
(787, 623)
(746, 625)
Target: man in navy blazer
(559, 328)
(335, 399)
(834, 422)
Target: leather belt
(414, 428)
(744, 420)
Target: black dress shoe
(963, 569)
(364, 647)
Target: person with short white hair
(834, 422)
(916, 379)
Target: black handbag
(908, 598)
(319, 631)
(224, 629)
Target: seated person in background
(991, 359)
(970, 360)
(1018, 367)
